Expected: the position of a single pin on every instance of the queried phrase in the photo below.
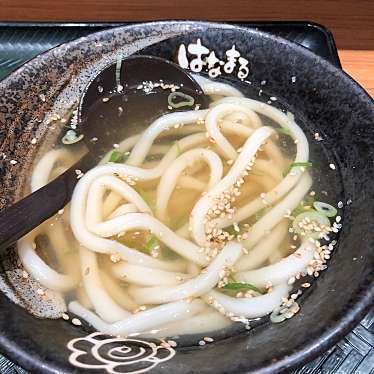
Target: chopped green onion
(301, 208)
(71, 137)
(301, 164)
(151, 243)
(283, 130)
(325, 209)
(169, 253)
(241, 286)
(308, 200)
(313, 216)
(188, 100)
(118, 157)
(304, 206)
(179, 150)
(147, 199)
(296, 165)
(115, 156)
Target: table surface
(360, 66)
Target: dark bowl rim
(337, 330)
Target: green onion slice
(71, 137)
(325, 209)
(119, 157)
(151, 243)
(187, 100)
(301, 164)
(304, 206)
(241, 286)
(179, 151)
(306, 218)
(296, 165)
(283, 130)
(115, 156)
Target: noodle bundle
(191, 231)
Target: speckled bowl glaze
(323, 98)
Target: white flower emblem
(117, 355)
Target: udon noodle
(192, 227)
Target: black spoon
(120, 95)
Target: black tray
(20, 42)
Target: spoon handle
(26, 214)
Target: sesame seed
(33, 141)
(172, 343)
(202, 342)
(13, 162)
(305, 285)
(208, 339)
(105, 99)
(115, 257)
(318, 137)
(332, 166)
(76, 322)
(340, 204)
(65, 316)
